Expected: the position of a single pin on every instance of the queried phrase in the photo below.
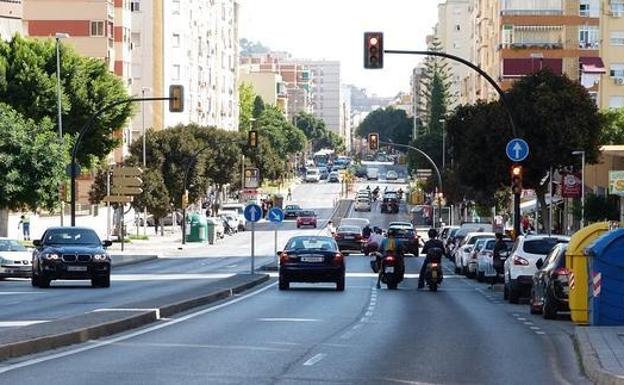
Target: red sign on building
(571, 186)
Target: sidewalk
(601, 350)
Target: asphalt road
(463, 334)
(23, 304)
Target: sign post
(517, 150)
(276, 216)
(126, 183)
(253, 213)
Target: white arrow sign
(517, 148)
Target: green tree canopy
(317, 133)
(246, 98)
(393, 125)
(613, 126)
(28, 84)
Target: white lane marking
(540, 333)
(315, 359)
(96, 344)
(16, 324)
(528, 323)
(369, 314)
(521, 319)
(20, 292)
(534, 328)
(364, 319)
(347, 335)
(155, 310)
(357, 326)
(168, 277)
(274, 274)
(198, 346)
(289, 320)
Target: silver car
(15, 259)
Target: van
(372, 173)
(312, 175)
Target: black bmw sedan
(311, 259)
(71, 253)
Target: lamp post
(582, 154)
(58, 36)
(442, 124)
(143, 89)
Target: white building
(10, 18)
(326, 96)
(197, 47)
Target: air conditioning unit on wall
(618, 81)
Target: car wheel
(284, 284)
(340, 284)
(43, 281)
(514, 295)
(34, 281)
(549, 308)
(101, 281)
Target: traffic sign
(127, 171)
(127, 181)
(124, 190)
(252, 178)
(117, 199)
(517, 150)
(276, 215)
(253, 212)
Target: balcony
(532, 7)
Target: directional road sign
(117, 199)
(127, 171)
(253, 212)
(123, 190)
(276, 215)
(127, 181)
(517, 150)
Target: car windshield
(312, 243)
(540, 246)
(11, 245)
(71, 236)
(307, 214)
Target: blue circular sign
(253, 212)
(517, 150)
(276, 215)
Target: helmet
(433, 233)
(378, 230)
(391, 232)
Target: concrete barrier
(129, 259)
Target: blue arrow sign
(253, 212)
(276, 215)
(517, 150)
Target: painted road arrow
(128, 181)
(124, 190)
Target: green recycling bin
(196, 228)
(211, 229)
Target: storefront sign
(571, 186)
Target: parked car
(392, 175)
(291, 211)
(311, 259)
(15, 259)
(362, 203)
(485, 262)
(334, 177)
(407, 235)
(463, 252)
(306, 218)
(549, 293)
(70, 253)
(520, 266)
(473, 262)
(349, 237)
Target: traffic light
(252, 138)
(185, 199)
(373, 50)
(516, 179)
(176, 98)
(373, 141)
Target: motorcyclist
(390, 244)
(366, 231)
(499, 247)
(433, 242)
(374, 241)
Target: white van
(313, 175)
(372, 173)
(237, 209)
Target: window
(135, 6)
(175, 72)
(457, 27)
(617, 8)
(507, 35)
(617, 70)
(176, 40)
(616, 102)
(136, 71)
(135, 38)
(589, 37)
(616, 38)
(97, 28)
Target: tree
(248, 47)
(317, 133)
(613, 126)
(258, 107)
(155, 196)
(393, 125)
(246, 99)
(32, 163)
(28, 84)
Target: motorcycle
(433, 272)
(370, 248)
(391, 270)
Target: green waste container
(196, 228)
(211, 229)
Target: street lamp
(582, 154)
(442, 124)
(58, 36)
(143, 89)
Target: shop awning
(522, 67)
(592, 65)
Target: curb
(135, 320)
(118, 260)
(590, 362)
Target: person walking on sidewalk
(25, 224)
(289, 195)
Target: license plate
(434, 274)
(389, 269)
(349, 237)
(312, 259)
(76, 268)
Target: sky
(333, 30)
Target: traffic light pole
(516, 209)
(421, 152)
(83, 131)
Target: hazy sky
(333, 30)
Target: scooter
(391, 270)
(433, 272)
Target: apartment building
(326, 95)
(268, 85)
(196, 47)
(416, 99)
(10, 18)
(611, 93)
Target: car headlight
(51, 256)
(100, 257)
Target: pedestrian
(289, 195)
(330, 228)
(25, 224)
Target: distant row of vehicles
(315, 175)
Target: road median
(106, 322)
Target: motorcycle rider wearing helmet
(432, 243)
(374, 241)
(390, 244)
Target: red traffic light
(373, 50)
(373, 141)
(516, 179)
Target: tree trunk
(541, 198)
(4, 223)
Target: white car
(15, 259)
(362, 204)
(463, 253)
(392, 175)
(520, 265)
(313, 175)
(473, 261)
(485, 263)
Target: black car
(311, 259)
(407, 238)
(390, 203)
(71, 253)
(549, 293)
(291, 211)
(349, 237)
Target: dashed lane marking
(289, 320)
(315, 359)
(15, 324)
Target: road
(463, 334)
(23, 304)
